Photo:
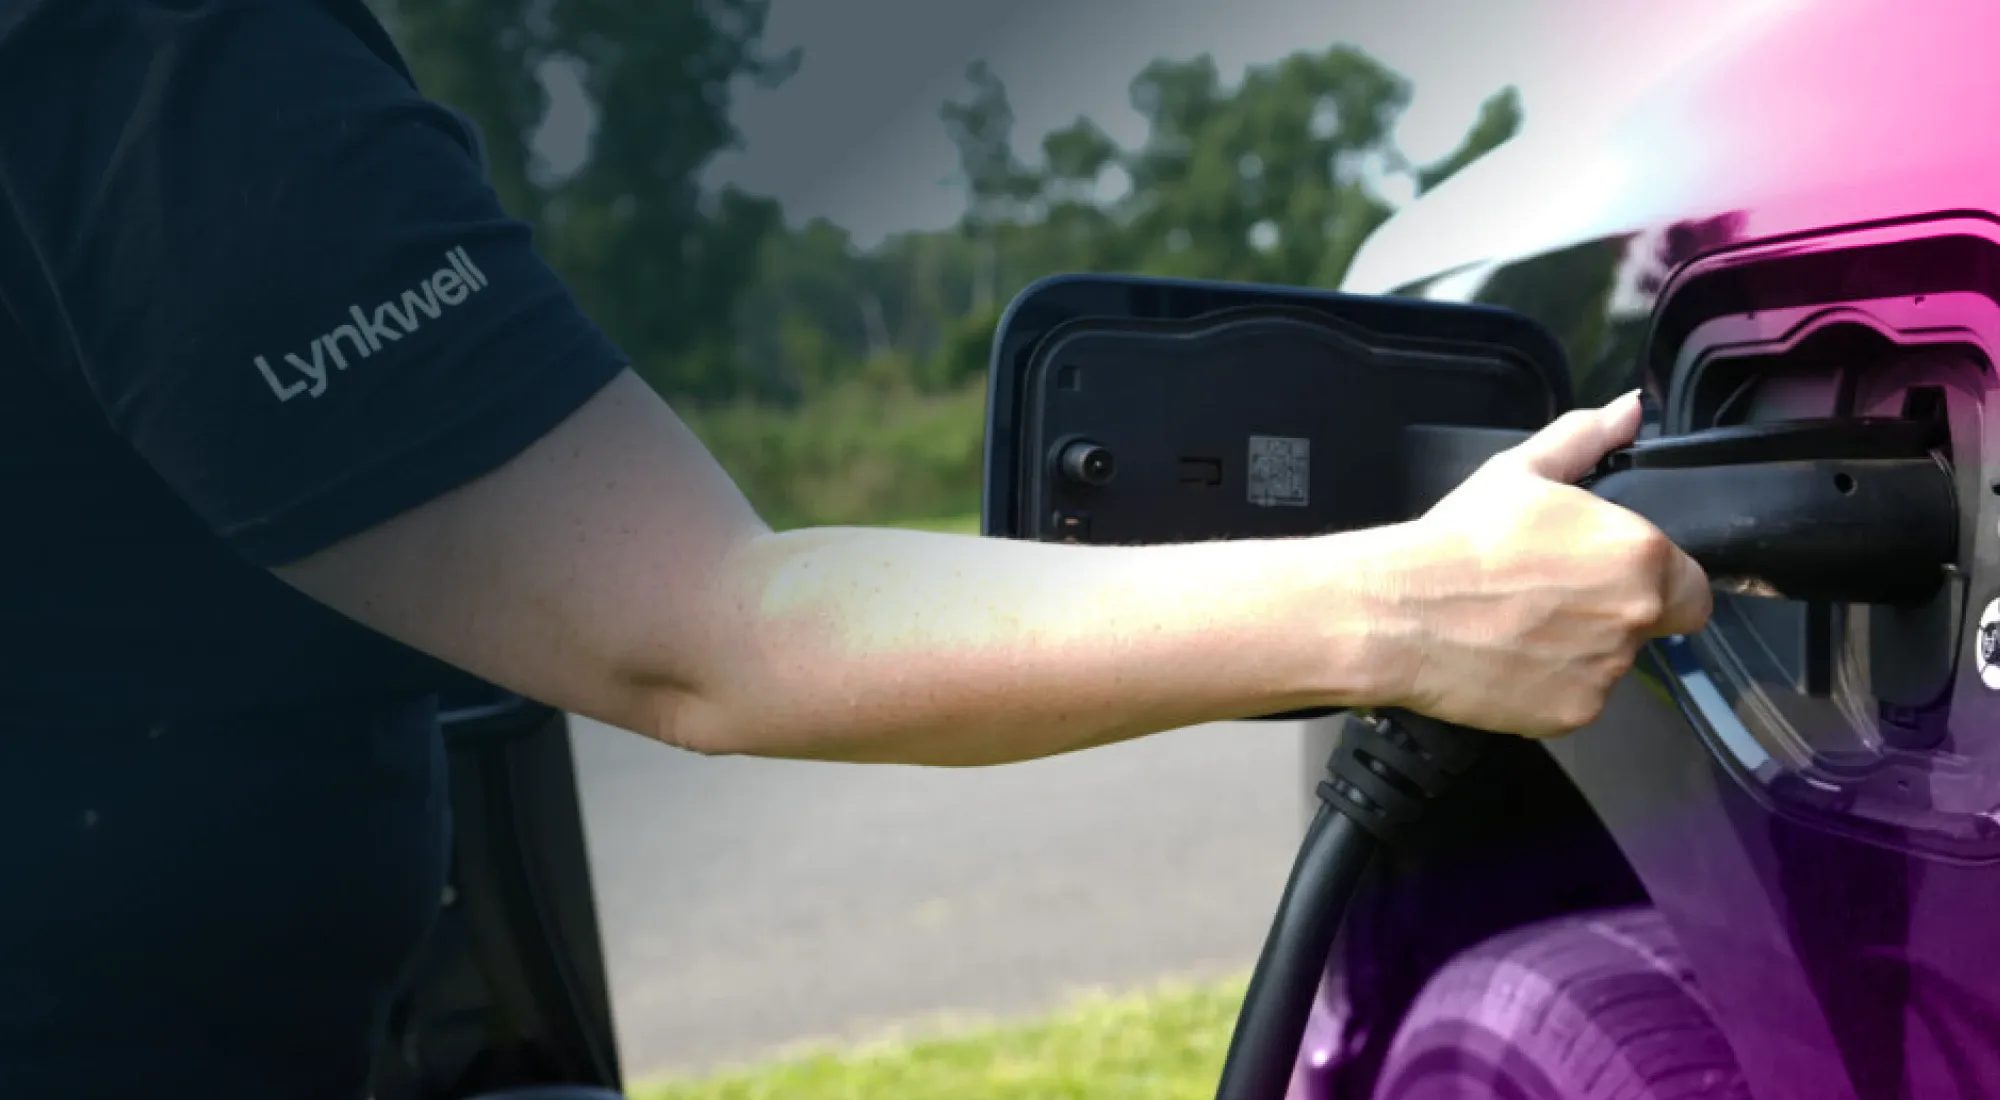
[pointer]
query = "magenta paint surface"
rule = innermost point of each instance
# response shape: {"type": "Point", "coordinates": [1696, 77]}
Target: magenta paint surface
{"type": "Point", "coordinates": [1838, 969]}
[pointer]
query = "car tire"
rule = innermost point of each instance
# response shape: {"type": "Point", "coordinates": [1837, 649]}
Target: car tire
{"type": "Point", "coordinates": [1598, 1006]}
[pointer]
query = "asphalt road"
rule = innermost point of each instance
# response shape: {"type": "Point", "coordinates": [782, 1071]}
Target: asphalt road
{"type": "Point", "coordinates": [751, 905]}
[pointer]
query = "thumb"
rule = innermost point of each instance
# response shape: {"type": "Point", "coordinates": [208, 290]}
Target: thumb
{"type": "Point", "coordinates": [1567, 449]}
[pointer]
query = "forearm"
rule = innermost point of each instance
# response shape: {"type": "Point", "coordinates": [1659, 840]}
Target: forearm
{"type": "Point", "coordinates": [880, 645]}
{"type": "Point", "coordinates": [613, 570]}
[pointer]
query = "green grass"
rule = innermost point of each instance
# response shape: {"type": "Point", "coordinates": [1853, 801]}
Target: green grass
{"type": "Point", "coordinates": [1166, 1044]}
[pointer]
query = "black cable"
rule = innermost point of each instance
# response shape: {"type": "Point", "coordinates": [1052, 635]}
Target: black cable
{"type": "Point", "coordinates": [1385, 770]}
{"type": "Point", "coordinates": [1279, 1001]}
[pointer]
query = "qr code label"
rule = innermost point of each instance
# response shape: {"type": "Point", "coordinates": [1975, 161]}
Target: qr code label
{"type": "Point", "coordinates": [1279, 468]}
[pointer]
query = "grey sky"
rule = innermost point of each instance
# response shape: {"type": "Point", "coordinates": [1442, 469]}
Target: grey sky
{"type": "Point", "coordinates": [855, 136]}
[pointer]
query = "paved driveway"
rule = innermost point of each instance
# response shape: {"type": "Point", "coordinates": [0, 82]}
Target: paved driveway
{"type": "Point", "coordinates": [752, 904]}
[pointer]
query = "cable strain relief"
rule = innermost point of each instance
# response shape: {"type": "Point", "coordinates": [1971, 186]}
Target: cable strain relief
{"type": "Point", "coordinates": [1390, 765]}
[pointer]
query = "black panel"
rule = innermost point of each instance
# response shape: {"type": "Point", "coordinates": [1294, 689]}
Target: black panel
{"type": "Point", "coordinates": [1134, 410]}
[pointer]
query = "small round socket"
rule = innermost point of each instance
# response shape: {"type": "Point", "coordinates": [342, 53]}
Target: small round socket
{"type": "Point", "coordinates": [1086, 463]}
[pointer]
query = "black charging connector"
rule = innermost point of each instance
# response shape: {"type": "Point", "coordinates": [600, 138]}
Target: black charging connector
{"type": "Point", "coordinates": [1839, 510]}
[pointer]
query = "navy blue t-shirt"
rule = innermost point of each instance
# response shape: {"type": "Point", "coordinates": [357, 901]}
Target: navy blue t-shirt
{"type": "Point", "coordinates": [256, 295]}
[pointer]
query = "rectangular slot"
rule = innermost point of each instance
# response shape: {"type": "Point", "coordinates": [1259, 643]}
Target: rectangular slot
{"type": "Point", "coordinates": [1201, 473]}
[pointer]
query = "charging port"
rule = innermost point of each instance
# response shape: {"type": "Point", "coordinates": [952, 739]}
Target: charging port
{"type": "Point", "coordinates": [1846, 677]}
{"type": "Point", "coordinates": [1875, 722]}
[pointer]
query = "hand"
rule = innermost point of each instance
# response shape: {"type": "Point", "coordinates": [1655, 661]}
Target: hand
{"type": "Point", "coordinates": [1524, 599]}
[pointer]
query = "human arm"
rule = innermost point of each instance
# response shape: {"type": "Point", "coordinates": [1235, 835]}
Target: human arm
{"type": "Point", "coordinates": [646, 593]}
{"type": "Point", "coordinates": [460, 460]}
{"type": "Point", "coordinates": [613, 569]}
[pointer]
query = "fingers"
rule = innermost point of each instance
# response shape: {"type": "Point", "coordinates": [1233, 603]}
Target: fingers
{"type": "Point", "coordinates": [1568, 449]}
{"type": "Point", "coordinates": [1689, 598]}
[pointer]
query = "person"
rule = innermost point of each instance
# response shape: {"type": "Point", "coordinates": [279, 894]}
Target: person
{"type": "Point", "coordinates": [294, 418]}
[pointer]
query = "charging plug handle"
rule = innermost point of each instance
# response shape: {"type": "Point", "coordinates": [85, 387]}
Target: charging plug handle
{"type": "Point", "coordinates": [1835, 510]}
{"type": "Point", "coordinates": [1841, 511]}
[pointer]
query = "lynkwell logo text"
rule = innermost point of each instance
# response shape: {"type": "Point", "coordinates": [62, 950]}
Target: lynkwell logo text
{"type": "Point", "coordinates": [388, 323]}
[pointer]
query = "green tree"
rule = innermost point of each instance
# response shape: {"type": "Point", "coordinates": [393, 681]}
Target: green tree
{"type": "Point", "coordinates": [809, 279]}
{"type": "Point", "coordinates": [655, 259]}
{"type": "Point", "coordinates": [1079, 231]}
{"type": "Point", "coordinates": [998, 186]}
{"type": "Point", "coordinates": [1267, 181]}
{"type": "Point", "coordinates": [1498, 121]}
{"type": "Point", "coordinates": [1075, 159]}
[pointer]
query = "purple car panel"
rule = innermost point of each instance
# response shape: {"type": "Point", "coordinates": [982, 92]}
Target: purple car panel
{"type": "Point", "coordinates": [1803, 219]}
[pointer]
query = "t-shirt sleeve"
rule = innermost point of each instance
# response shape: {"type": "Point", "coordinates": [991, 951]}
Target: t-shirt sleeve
{"type": "Point", "coordinates": [287, 283]}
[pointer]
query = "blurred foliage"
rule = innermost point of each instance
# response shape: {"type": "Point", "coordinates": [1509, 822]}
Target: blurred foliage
{"type": "Point", "coordinates": [867, 449]}
{"type": "Point", "coordinates": [841, 384]}
{"type": "Point", "coordinates": [655, 260]}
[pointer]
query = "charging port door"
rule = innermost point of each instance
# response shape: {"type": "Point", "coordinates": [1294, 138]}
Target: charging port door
{"type": "Point", "coordinates": [1127, 410]}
